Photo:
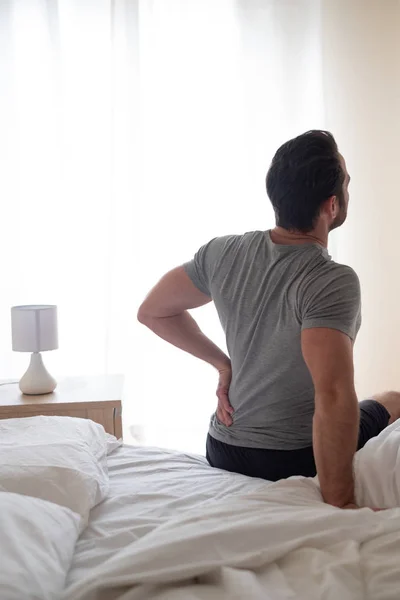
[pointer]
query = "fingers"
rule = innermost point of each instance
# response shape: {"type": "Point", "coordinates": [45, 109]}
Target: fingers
{"type": "Point", "coordinates": [223, 400]}
{"type": "Point", "coordinates": [225, 409]}
{"type": "Point", "coordinates": [224, 417]}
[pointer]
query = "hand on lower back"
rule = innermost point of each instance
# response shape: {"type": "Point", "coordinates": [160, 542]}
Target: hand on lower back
{"type": "Point", "coordinates": [224, 409]}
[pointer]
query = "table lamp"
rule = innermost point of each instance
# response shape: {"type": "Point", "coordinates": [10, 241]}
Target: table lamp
{"type": "Point", "coordinates": [34, 329]}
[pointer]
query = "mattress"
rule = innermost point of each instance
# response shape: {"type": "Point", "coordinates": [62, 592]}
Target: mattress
{"type": "Point", "coordinates": [149, 486]}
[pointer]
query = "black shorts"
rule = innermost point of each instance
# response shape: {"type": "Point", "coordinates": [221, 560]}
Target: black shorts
{"type": "Point", "coordinates": [279, 464]}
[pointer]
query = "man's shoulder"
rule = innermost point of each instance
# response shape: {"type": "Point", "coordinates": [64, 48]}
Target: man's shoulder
{"type": "Point", "coordinates": [339, 271]}
{"type": "Point", "coordinates": [330, 276]}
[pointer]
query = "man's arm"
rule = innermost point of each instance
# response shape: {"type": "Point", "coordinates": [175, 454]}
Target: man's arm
{"type": "Point", "coordinates": [328, 354]}
{"type": "Point", "coordinates": [165, 311]}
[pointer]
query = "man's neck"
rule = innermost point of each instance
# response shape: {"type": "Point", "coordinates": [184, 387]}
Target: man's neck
{"type": "Point", "coordinates": [279, 235]}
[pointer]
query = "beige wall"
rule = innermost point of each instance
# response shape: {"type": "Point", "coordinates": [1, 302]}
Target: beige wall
{"type": "Point", "coordinates": [362, 93]}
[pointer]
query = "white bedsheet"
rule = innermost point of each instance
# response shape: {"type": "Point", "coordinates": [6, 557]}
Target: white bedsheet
{"type": "Point", "coordinates": [173, 528]}
{"type": "Point", "coordinates": [148, 487]}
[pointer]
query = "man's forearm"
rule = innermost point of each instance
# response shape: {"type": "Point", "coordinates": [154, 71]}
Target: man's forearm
{"type": "Point", "coordinates": [183, 332]}
{"type": "Point", "coordinates": [335, 435]}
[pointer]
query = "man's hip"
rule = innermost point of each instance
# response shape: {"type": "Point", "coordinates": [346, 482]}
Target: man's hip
{"type": "Point", "coordinates": [280, 464]}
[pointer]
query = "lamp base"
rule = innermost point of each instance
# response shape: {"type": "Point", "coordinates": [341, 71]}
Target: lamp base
{"type": "Point", "coordinates": [37, 380]}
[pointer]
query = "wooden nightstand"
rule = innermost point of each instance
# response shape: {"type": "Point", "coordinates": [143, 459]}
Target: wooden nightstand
{"type": "Point", "coordinates": [95, 398]}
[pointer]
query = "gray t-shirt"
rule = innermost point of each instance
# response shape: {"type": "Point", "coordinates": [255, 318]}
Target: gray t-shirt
{"type": "Point", "coordinates": [265, 294]}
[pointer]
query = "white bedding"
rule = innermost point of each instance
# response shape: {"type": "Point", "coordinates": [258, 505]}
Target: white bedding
{"type": "Point", "coordinates": [173, 528]}
{"type": "Point", "coordinates": [53, 470]}
{"type": "Point", "coordinates": [148, 487]}
{"type": "Point", "coordinates": [59, 459]}
{"type": "Point", "coordinates": [37, 541]}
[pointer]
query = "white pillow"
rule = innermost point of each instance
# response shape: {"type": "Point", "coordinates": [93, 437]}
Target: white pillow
{"type": "Point", "coordinates": [42, 429]}
{"type": "Point", "coordinates": [59, 459]}
{"type": "Point", "coordinates": [377, 468]}
{"type": "Point", "coordinates": [37, 543]}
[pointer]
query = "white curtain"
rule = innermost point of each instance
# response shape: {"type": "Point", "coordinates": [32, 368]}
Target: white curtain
{"type": "Point", "coordinates": [132, 132]}
{"type": "Point", "coordinates": [361, 51]}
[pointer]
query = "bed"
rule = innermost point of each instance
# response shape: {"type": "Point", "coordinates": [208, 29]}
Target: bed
{"type": "Point", "coordinates": [93, 520]}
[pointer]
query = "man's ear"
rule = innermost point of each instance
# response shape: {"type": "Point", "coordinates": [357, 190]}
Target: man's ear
{"type": "Point", "coordinates": [331, 207]}
{"type": "Point", "coordinates": [335, 206]}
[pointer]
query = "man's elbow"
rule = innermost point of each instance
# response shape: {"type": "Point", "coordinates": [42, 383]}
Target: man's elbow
{"type": "Point", "coordinates": [150, 313]}
{"type": "Point", "coordinates": [336, 398]}
{"type": "Point", "coordinates": [143, 315]}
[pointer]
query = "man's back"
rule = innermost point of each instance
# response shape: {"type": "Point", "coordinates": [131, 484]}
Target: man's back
{"type": "Point", "coordinates": [265, 294]}
{"type": "Point", "coordinates": [290, 315]}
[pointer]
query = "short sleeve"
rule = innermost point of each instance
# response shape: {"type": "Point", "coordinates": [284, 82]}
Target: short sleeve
{"type": "Point", "coordinates": [333, 300]}
{"type": "Point", "coordinates": [202, 267]}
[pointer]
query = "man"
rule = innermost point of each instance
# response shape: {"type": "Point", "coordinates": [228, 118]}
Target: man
{"type": "Point", "coordinates": [286, 398]}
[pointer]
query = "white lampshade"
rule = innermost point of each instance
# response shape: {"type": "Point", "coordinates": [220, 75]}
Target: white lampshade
{"type": "Point", "coordinates": [34, 328]}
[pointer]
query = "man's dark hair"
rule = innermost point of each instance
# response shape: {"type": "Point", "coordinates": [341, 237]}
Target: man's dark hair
{"type": "Point", "coordinates": [304, 173]}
